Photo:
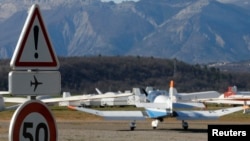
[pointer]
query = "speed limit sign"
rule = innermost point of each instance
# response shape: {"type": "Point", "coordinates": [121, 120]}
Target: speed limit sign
{"type": "Point", "coordinates": [33, 121]}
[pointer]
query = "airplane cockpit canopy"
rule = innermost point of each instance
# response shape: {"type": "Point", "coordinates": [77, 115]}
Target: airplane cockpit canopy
{"type": "Point", "coordinates": [153, 94]}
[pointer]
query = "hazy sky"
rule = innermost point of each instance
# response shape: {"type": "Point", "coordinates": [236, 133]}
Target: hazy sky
{"type": "Point", "coordinates": [117, 1]}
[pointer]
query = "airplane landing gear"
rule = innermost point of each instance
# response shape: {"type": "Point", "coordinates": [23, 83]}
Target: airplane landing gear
{"type": "Point", "coordinates": [132, 125]}
{"type": "Point", "coordinates": [184, 125]}
{"type": "Point", "coordinates": [155, 123]}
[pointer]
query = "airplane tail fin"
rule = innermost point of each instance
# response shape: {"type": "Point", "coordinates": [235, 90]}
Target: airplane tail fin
{"type": "Point", "coordinates": [175, 91]}
{"type": "Point", "coordinates": [64, 103]}
{"type": "Point", "coordinates": [231, 91]}
{"type": "Point", "coordinates": [149, 88]}
{"type": "Point", "coordinates": [174, 100]}
{"type": "Point", "coordinates": [171, 93]}
{"type": "Point", "coordinates": [144, 92]}
{"type": "Point", "coordinates": [98, 91]}
{"type": "Point", "coordinates": [136, 91]}
{"type": "Point", "coordinates": [66, 94]}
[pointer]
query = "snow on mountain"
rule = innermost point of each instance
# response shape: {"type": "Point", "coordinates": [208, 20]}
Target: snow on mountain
{"type": "Point", "coordinates": [195, 31]}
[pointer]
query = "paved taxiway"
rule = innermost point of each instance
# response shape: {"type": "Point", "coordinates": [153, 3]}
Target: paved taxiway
{"type": "Point", "coordinates": [101, 130]}
{"type": "Point", "coordinates": [119, 131]}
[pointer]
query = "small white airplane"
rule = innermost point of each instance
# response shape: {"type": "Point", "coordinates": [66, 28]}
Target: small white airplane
{"type": "Point", "coordinates": [232, 90]}
{"type": "Point", "coordinates": [231, 97]}
{"type": "Point", "coordinates": [230, 93]}
{"type": "Point", "coordinates": [162, 107]}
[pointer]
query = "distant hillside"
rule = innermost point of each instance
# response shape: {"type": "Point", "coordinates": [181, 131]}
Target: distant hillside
{"type": "Point", "coordinates": [84, 74]}
{"type": "Point", "coordinates": [194, 31]}
{"type": "Point", "coordinates": [239, 67]}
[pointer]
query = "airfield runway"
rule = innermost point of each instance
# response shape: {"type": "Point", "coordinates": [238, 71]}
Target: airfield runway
{"type": "Point", "coordinates": [101, 130]}
{"type": "Point", "coordinates": [119, 131]}
{"type": "Point", "coordinates": [79, 126]}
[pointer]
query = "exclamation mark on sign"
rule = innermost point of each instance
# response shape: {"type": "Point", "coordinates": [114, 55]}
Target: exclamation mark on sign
{"type": "Point", "coordinates": [36, 32]}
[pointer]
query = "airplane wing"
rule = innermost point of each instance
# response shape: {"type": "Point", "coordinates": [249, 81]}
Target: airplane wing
{"type": "Point", "coordinates": [112, 115]}
{"type": "Point", "coordinates": [151, 112]}
{"type": "Point", "coordinates": [205, 115]}
{"type": "Point", "coordinates": [175, 105]}
{"type": "Point", "coordinates": [4, 93]}
{"type": "Point", "coordinates": [196, 95]}
{"type": "Point", "coordinates": [4, 108]}
{"type": "Point", "coordinates": [178, 105]}
{"type": "Point", "coordinates": [125, 115]}
{"type": "Point", "coordinates": [234, 100]}
{"type": "Point", "coordinates": [13, 107]}
{"type": "Point", "coordinates": [64, 99]}
{"type": "Point", "coordinates": [19, 100]}
{"type": "Point", "coordinates": [82, 97]}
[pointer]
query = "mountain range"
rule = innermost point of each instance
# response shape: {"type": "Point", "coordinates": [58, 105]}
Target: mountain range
{"type": "Point", "coordinates": [194, 31]}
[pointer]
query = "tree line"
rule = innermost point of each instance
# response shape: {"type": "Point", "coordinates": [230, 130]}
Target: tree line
{"type": "Point", "coordinates": [115, 73]}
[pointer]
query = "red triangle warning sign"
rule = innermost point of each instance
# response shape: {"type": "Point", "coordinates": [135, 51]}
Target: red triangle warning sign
{"type": "Point", "coordinates": [34, 49]}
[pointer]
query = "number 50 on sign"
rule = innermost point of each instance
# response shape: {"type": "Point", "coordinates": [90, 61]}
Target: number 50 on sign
{"type": "Point", "coordinates": [33, 121]}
